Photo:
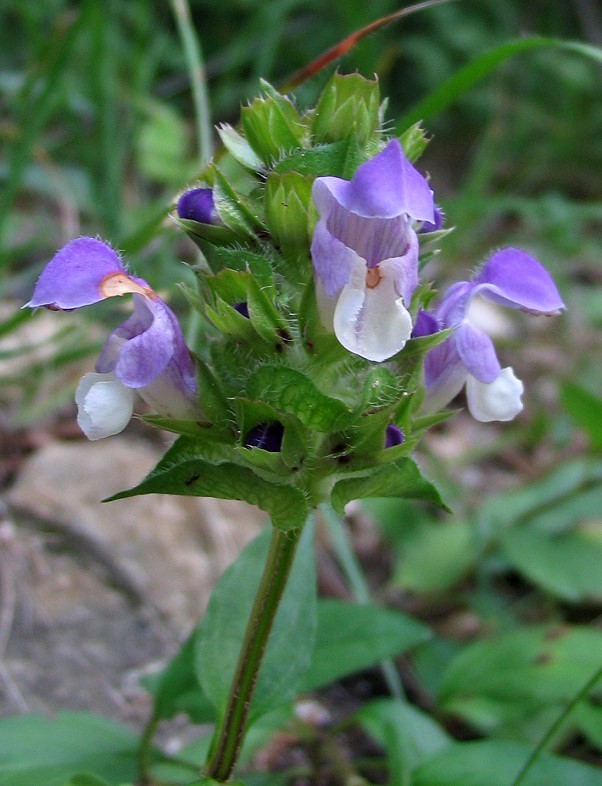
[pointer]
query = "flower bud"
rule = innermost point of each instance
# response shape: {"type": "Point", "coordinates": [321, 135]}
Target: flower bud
{"type": "Point", "coordinates": [197, 205]}
{"type": "Point", "coordinates": [267, 436]}
{"type": "Point", "coordinates": [348, 104]}
{"type": "Point", "coordinates": [287, 199]}
{"type": "Point", "coordinates": [393, 436]}
{"type": "Point", "coordinates": [272, 126]}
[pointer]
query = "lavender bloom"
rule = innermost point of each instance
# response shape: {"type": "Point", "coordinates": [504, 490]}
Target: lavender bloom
{"type": "Point", "coordinates": [198, 205]}
{"type": "Point", "coordinates": [509, 278]}
{"type": "Point", "coordinates": [365, 251]}
{"type": "Point", "coordinates": [146, 353]}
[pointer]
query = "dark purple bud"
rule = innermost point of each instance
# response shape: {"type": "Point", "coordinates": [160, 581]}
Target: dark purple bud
{"type": "Point", "coordinates": [425, 325]}
{"type": "Point", "coordinates": [242, 308]}
{"type": "Point", "coordinates": [267, 436]}
{"type": "Point", "coordinates": [197, 205]}
{"type": "Point", "coordinates": [433, 226]}
{"type": "Point", "coordinates": [393, 436]}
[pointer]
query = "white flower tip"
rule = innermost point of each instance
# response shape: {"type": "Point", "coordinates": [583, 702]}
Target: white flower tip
{"type": "Point", "coordinates": [104, 405]}
{"type": "Point", "coordinates": [371, 322]}
{"type": "Point", "coordinates": [498, 400]}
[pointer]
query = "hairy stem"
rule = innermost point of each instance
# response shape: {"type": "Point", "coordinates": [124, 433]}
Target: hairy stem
{"type": "Point", "coordinates": [230, 731]}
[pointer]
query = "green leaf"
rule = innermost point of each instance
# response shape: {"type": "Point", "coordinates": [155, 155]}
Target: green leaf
{"type": "Point", "coordinates": [85, 780]}
{"type": "Point", "coordinates": [467, 76]}
{"type": "Point", "coordinates": [289, 647]}
{"type": "Point", "coordinates": [414, 141]}
{"type": "Point", "coordinates": [585, 410]}
{"type": "Point", "coordinates": [294, 393]}
{"type": "Point", "coordinates": [588, 718]}
{"type": "Point", "coordinates": [211, 782]}
{"type": "Point", "coordinates": [231, 206]}
{"type": "Point", "coordinates": [229, 322]}
{"type": "Point", "coordinates": [434, 556]}
{"type": "Point", "coordinates": [497, 763]}
{"type": "Point", "coordinates": [409, 736]}
{"type": "Point", "coordinates": [339, 159]}
{"type": "Point", "coordinates": [194, 468]}
{"type": "Point", "coordinates": [258, 266]}
{"type": "Point", "coordinates": [505, 678]}
{"type": "Point", "coordinates": [351, 637]}
{"type": "Point", "coordinates": [214, 402]}
{"type": "Point", "coordinates": [542, 499]}
{"type": "Point", "coordinates": [401, 478]}
{"type": "Point", "coordinates": [162, 144]}
{"type": "Point", "coordinates": [37, 751]}
{"type": "Point", "coordinates": [567, 565]}
{"type": "Point", "coordinates": [239, 148]}
{"type": "Point", "coordinates": [263, 315]}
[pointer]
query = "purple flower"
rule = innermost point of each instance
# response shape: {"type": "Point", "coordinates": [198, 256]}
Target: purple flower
{"type": "Point", "coordinates": [198, 205]}
{"type": "Point", "coordinates": [146, 353]}
{"type": "Point", "coordinates": [509, 278]}
{"type": "Point", "coordinates": [365, 251]}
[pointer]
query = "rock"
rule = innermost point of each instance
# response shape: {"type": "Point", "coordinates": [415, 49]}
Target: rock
{"type": "Point", "coordinates": [99, 590]}
{"type": "Point", "coordinates": [170, 549]}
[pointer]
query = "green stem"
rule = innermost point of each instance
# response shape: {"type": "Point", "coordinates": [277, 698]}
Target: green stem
{"type": "Point", "coordinates": [555, 727]}
{"type": "Point", "coordinates": [230, 732]}
{"type": "Point", "coordinates": [144, 750]}
{"type": "Point", "coordinates": [359, 588]}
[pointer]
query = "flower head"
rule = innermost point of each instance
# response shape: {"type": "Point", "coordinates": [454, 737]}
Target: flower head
{"type": "Point", "coordinates": [146, 353]}
{"type": "Point", "coordinates": [365, 251]}
{"type": "Point", "coordinates": [509, 278]}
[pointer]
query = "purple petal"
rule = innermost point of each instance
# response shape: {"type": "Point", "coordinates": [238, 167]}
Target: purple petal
{"type": "Point", "coordinates": [75, 276]}
{"type": "Point", "coordinates": [425, 325]}
{"type": "Point", "coordinates": [147, 345]}
{"type": "Point", "coordinates": [433, 226]}
{"type": "Point", "coordinates": [332, 260]}
{"type": "Point", "coordinates": [393, 436]}
{"type": "Point", "coordinates": [139, 349]}
{"type": "Point", "coordinates": [198, 205]}
{"type": "Point", "coordinates": [444, 375]}
{"type": "Point", "coordinates": [513, 278]}
{"type": "Point", "coordinates": [477, 352]}
{"type": "Point", "coordinates": [452, 309]}
{"type": "Point", "coordinates": [404, 268]}
{"type": "Point", "coordinates": [386, 186]}
{"type": "Point", "coordinates": [439, 360]}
